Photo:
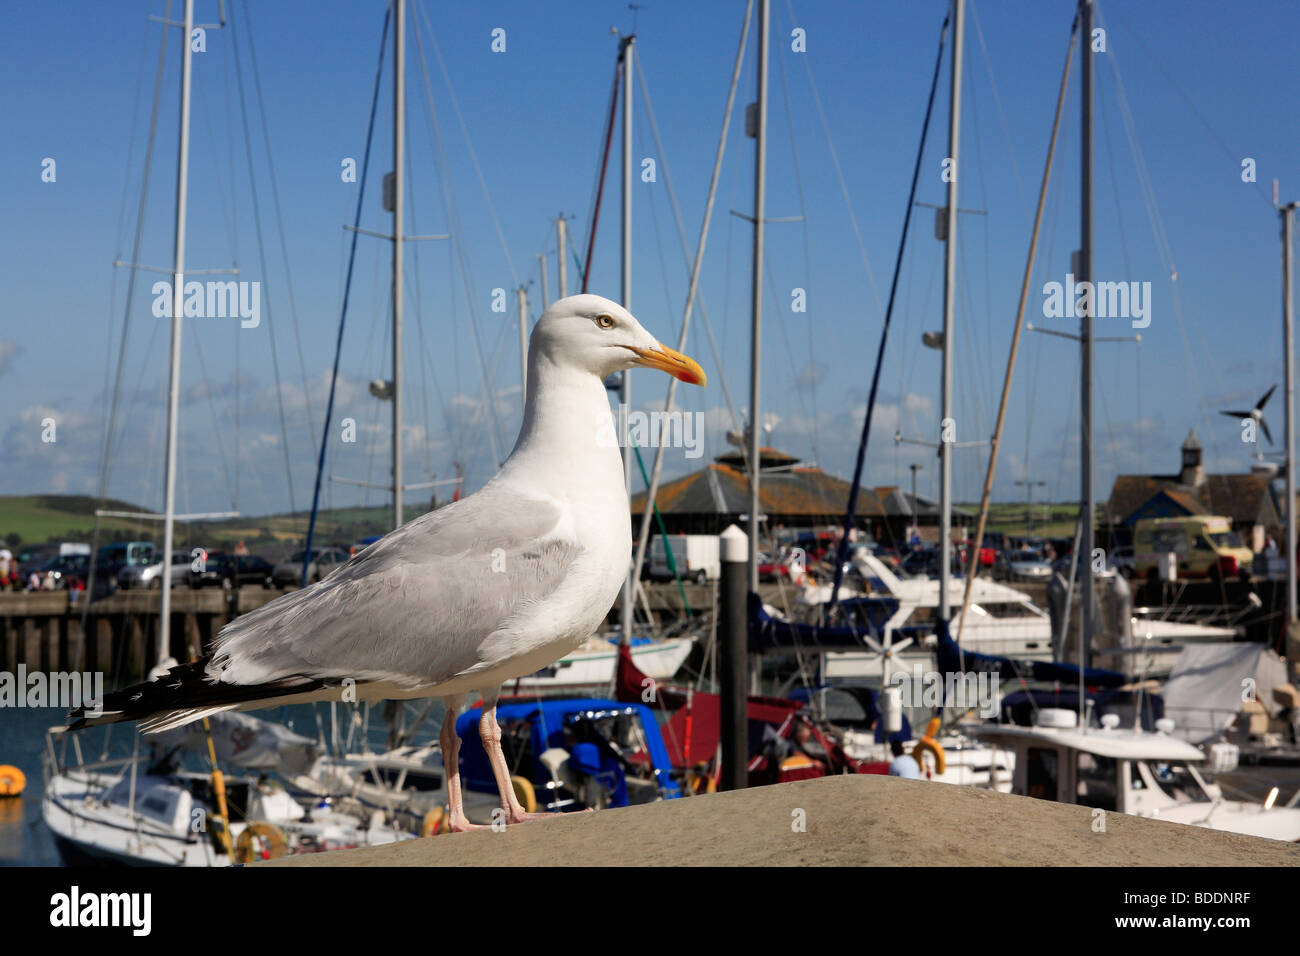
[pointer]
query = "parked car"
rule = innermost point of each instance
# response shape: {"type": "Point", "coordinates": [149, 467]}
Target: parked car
{"type": "Point", "coordinates": [988, 554]}
{"type": "Point", "coordinates": [151, 575]}
{"type": "Point", "coordinates": [323, 562]}
{"type": "Point", "coordinates": [997, 540]}
{"type": "Point", "coordinates": [817, 545]}
{"type": "Point", "coordinates": [226, 570]}
{"type": "Point", "coordinates": [924, 562]}
{"type": "Point", "coordinates": [1022, 565]}
{"type": "Point", "coordinates": [34, 557]}
{"type": "Point", "coordinates": [110, 559]}
{"type": "Point", "coordinates": [63, 571]}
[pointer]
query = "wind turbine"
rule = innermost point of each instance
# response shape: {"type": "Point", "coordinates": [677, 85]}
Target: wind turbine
{"type": "Point", "coordinates": [1256, 415]}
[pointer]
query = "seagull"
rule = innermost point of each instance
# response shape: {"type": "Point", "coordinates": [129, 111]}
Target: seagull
{"type": "Point", "coordinates": [485, 590]}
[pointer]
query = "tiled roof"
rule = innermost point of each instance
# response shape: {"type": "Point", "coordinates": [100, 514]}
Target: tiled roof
{"type": "Point", "coordinates": [1245, 498]}
{"type": "Point", "coordinates": [720, 489]}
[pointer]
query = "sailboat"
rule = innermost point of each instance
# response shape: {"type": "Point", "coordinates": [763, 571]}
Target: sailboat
{"type": "Point", "coordinates": [147, 809]}
{"type": "Point", "coordinates": [1082, 754]}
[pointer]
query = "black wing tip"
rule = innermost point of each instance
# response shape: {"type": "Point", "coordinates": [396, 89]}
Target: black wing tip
{"type": "Point", "coordinates": [184, 687]}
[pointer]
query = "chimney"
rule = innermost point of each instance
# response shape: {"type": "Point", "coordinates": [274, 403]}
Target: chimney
{"type": "Point", "coordinates": [1193, 474]}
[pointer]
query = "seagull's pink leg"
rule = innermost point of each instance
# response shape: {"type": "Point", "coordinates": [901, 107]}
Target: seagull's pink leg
{"type": "Point", "coordinates": [490, 731]}
{"type": "Point", "coordinates": [450, 743]}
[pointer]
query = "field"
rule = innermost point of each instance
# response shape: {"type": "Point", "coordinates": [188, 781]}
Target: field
{"type": "Point", "coordinates": [1050, 520]}
{"type": "Point", "coordinates": [35, 519]}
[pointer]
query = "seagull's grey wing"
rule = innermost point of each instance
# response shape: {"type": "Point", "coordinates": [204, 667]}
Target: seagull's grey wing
{"type": "Point", "coordinates": [415, 606]}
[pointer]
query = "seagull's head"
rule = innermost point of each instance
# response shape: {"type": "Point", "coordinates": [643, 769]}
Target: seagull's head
{"type": "Point", "coordinates": [593, 334]}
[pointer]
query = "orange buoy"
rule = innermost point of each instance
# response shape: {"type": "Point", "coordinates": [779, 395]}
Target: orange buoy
{"type": "Point", "coordinates": [12, 781]}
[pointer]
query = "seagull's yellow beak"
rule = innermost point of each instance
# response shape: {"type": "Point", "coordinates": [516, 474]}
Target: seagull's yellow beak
{"type": "Point", "coordinates": [676, 364]}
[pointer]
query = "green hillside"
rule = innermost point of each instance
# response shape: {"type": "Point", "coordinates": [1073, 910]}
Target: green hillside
{"type": "Point", "coordinates": [35, 519]}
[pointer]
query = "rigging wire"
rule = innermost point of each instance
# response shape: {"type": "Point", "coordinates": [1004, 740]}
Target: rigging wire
{"type": "Point", "coordinates": [1164, 247]}
{"type": "Point", "coordinates": [603, 167]}
{"type": "Point", "coordinates": [843, 547]}
{"type": "Point", "coordinates": [839, 175]}
{"type": "Point", "coordinates": [997, 100]}
{"type": "Point", "coordinates": [261, 255]}
{"type": "Point", "coordinates": [469, 143]}
{"type": "Point", "coordinates": [1234, 155]}
{"type": "Point", "coordinates": [412, 209]}
{"type": "Point", "coordinates": [236, 405]}
{"type": "Point", "coordinates": [343, 311]}
{"type": "Point", "coordinates": [453, 220]}
{"type": "Point", "coordinates": [279, 222]}
{"type": "Point", "coordinates": [681, 237]}
{"type": "Point", "coordinates": [808, 276]}
{"type": "Point", "coordinates": [110, 421]}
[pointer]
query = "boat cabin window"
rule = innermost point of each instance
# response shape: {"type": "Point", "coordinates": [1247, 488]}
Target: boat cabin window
{"type": "Point", "coordinates": [1041, 773]}
{"type": "Point", "coordinates": [1003, 609]}
{"type": "Point", "coordinates": [1176, 781]}
{"type": "Point", "coordinates": [156, 807]}
{"type": "Point", "coordinates": [1095, 781]}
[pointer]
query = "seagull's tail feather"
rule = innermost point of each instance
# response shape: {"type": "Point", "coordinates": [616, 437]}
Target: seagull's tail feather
{"type": "Point", "coordinates": [187, 693]}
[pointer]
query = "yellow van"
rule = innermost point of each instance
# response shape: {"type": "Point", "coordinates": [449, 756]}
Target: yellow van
{"type": "Point", "coordinates": [1205, 546]}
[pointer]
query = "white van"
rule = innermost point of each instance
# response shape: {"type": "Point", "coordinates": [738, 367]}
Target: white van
{"type": "Point", "coordinates": [696, 556]}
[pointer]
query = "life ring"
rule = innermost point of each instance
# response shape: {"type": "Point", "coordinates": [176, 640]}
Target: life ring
{"type": "Point", "coordinates": [433, 821]}
{"type": "Point", "coordinates": [260, 841]}
{"type": "Point", "coordinates": [525, 793]}
{"type": "Point", "coordinates": [12, 781]}
{"type": "Point", "coordinates": [928, 745]}
{"type": "Point", "coordinates": [797, 761]}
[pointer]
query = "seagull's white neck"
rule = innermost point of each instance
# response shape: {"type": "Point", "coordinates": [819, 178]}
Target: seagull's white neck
{"type": "Point", "coordinates": [567, 444]}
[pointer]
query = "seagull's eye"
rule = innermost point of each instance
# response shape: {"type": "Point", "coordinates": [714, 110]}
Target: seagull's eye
{"type": "Point", "coordinates": [605, 320]}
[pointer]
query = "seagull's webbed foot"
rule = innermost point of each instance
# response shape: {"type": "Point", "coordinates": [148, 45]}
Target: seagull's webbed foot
{"type": "Point", "coordinates": [523, 816]}
{"type": "Point", "coordinates": [462, 825]}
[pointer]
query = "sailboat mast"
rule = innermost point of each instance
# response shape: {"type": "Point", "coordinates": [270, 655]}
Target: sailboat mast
{"type": "Point", "coordinates": [522, 297]}
{"type": "Point", "coordinates": [625, 391]}
{"type": "Point", "coordinates": [1287, 214]}
{"type": "Point", "coordinates": [562, 241]}
{"type": "Point", "coordinates": [399, 146]}
{"type": "Point", "coordinates": [756, 336]}
{"type": "Point", "coordinates": [949, 291]}
{"type": "Point", "coordinates": [1087, 620]}
{"type": "Point", "coordinates": [178, 313]}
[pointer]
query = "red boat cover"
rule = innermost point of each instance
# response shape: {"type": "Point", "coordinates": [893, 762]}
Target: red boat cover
{"type": "Point", "coordinates": [692, 733]}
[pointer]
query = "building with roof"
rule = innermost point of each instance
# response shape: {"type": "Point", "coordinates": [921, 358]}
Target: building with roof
{"type": "Point", "coordinates": [791, 496]}
{"type": "Point", "coordinates": [903, 511]}
{"type": "Point", "coordinates": [1248, 499]}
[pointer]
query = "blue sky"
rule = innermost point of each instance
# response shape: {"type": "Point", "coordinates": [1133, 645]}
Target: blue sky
{"type": "Point", "coordinates": [1208, 86]}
